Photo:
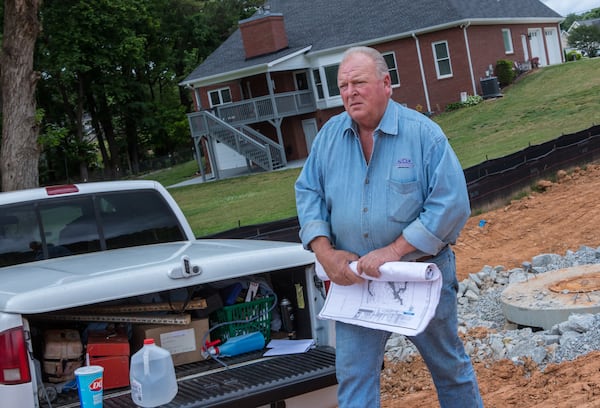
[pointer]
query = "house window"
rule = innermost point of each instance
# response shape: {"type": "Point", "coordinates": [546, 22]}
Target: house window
{"type": "Point", "coordinates": [219, 97]}
{"type": "Point", "coordinates": [301, 81]}
{"type": "Point", "coordinates": [442, 59]}
{"type": "Point", "coordinates": [508, 45]}
{"type": "Point", "coordinates": [331, 72]}
{"type": "Point", "coordinates": [318, 83]}
{"type": "Point", "coordinates": [390, 60]}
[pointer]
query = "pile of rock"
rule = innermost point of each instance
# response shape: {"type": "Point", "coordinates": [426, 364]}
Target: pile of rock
{"type": "Point", "coordinates": [488, 335]}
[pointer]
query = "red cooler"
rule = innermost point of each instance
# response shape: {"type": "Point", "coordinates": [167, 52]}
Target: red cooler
{"type": "Point", "coordinates": [110, 351]}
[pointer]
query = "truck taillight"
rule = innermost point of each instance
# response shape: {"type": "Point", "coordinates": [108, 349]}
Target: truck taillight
{"type": "Point", "coordinates": [14, 364]}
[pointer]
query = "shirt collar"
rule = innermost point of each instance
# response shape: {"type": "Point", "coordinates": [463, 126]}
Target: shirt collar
{"type": "Point", "coordinates": [389, 121]}
{"type": "Point", "coordinates": [387, 125]}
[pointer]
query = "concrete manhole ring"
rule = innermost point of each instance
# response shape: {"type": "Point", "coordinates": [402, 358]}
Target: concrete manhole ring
{"type": "Point", "coordinates": [551, 297]}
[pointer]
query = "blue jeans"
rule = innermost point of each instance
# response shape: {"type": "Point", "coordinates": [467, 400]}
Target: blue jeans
{"type": "Point", "coordinates": [360, 352]}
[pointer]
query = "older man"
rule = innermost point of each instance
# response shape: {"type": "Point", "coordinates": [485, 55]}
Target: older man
{"type": "Point", "coordinates": [383, 184]}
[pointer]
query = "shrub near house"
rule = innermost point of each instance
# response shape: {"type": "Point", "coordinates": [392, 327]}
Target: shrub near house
{"type": "Point", "coordinates": [505, 72]}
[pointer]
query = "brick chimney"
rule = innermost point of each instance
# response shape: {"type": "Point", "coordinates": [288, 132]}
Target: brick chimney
{"type": "Point", "coordinates": [263, 34]}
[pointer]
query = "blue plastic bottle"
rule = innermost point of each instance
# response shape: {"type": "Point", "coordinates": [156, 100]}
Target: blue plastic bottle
{"type": "Point", "coordinates": [239, 345]}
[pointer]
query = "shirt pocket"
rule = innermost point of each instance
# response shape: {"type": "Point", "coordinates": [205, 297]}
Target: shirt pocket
{"type": "Point", "coordinates": [404, 202]}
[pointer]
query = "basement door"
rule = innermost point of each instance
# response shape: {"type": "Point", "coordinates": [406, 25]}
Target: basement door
{"type": "Point", "coordinates": [309, 126]}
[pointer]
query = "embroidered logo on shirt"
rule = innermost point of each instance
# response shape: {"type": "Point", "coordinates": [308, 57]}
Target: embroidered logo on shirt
{"type": "Point", "coordinates": [404, 163]}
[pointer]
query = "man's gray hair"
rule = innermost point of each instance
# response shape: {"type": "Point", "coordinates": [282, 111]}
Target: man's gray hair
{"type": "Point", "coordinates": [380, 64]}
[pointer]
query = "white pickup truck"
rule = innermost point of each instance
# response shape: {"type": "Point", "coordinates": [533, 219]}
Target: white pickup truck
{"type": "Point", "coordinates": [80, 258]}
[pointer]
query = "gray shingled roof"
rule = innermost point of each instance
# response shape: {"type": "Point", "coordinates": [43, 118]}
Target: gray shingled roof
{"type": "Point", "coordinates": [591, 22]}
{"type": "Point", "coordinates": [329, 24]}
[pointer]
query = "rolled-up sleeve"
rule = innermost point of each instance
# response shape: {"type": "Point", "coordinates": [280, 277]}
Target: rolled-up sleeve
{"type": "Point", "coordinates": [446, 207]}
{"type": "Point", "coordinates": [310, 201]}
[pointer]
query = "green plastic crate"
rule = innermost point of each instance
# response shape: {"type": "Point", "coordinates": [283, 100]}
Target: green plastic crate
{"type": "Point", "coordinates": [243, 311]}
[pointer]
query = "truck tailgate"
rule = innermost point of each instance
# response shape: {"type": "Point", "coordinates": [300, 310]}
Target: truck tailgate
{"type": "Point", "coordinates": [249, 380]}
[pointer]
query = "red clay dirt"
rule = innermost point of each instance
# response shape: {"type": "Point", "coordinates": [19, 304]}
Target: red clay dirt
{"type": "Point", "coordinates": [565, 216]}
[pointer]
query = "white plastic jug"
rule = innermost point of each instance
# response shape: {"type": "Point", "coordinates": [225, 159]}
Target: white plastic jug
{"type": "Point", "coordinates": [152, 376]}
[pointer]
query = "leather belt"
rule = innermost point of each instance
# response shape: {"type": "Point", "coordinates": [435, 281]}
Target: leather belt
{"type": "Point", "coordinates": [428, 257]}
{"type": "Point", "coordinates": [425, 258]}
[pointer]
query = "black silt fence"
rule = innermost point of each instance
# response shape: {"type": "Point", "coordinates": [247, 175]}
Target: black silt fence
{"type": "Point", "coordinates": [500, 178]}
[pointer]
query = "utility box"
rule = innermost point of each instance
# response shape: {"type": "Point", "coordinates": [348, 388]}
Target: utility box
{"type": "Point", "coordinates": [111, 352]}
{"type": "Point", "coordinates": [490, 87]}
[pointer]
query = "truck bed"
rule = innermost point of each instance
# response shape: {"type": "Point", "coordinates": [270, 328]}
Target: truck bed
{"type": "Point", "coordinates": [249, 380]}
{"type": "Point", "coordinates": [118, 259]}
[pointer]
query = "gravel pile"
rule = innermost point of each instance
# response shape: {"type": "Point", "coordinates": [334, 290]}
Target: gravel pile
{"type": "Point", "coordinates": [489, 336]}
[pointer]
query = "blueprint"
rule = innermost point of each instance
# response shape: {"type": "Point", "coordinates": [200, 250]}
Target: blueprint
{"type": "Point", "coordinates": [402, 300]}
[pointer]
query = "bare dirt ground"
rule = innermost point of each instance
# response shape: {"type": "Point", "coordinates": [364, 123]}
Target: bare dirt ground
{"type": "Point", "coordinates": [563, 217]}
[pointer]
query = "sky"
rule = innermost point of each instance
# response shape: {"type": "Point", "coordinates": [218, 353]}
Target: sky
{"type": "Point", "coordinates": [564, 7]}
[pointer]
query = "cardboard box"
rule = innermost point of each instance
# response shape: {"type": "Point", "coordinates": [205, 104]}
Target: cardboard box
{"type": "Point", "coordinates": [63, 354]}
{"type": "Point", "coordinates": [183, 341]}
{"type": "Point", "coordinates": [110, 351]}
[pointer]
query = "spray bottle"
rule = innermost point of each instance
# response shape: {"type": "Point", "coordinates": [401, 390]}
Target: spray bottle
{"type": "Point", "coordinates": [235, 345]}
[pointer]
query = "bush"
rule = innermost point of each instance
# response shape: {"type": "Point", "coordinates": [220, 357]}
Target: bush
{"type": "Point", "coordinates": [472, 100]}
{"type": "Point", "coordinates": [573, 55]}
{"type": "Point", "coordinates": [454, 106]}
{"type": "Point", "coordinates": [505, 72]}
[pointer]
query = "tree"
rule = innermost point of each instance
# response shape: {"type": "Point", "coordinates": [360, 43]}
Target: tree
{"type": "Point", "coordinates": [112, 66]}
{"type": "Point", "coordinates": [572, 17]}
{"type": "Point", "coordinates": [568, 21]}
{"type": "Point", "coordinates": [586, 38]}
{"type": "Point", "coordinates": [19, 151]}
{"type": "Point", "coordinates": [593, 13]}
{"type": "Point", "coordinates": [89, 54]}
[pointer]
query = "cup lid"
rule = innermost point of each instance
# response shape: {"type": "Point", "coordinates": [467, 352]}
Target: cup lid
{"type": "Point", "coordinates": [92, 369]}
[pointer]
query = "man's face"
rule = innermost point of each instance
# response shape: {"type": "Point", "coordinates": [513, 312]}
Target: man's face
{"type": "Point", "coordinates": [365, 94]}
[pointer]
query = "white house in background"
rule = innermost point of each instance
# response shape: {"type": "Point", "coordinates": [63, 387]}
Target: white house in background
{"type": "Point", "coordinates": [564, 35]}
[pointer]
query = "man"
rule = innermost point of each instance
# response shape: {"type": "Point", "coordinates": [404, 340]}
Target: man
{"type": "Point", "coordinates": [383, 184]}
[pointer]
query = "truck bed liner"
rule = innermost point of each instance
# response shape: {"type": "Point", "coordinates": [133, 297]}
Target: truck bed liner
{"type": "Point", "coordinates": [248, 381]}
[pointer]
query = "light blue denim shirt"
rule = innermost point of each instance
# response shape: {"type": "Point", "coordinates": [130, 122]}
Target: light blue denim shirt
{"type": "Point", "coordinates": [413, 185]}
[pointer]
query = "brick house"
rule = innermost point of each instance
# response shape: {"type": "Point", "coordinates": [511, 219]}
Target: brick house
{"type": "Point", "coordinates": [261, 97]}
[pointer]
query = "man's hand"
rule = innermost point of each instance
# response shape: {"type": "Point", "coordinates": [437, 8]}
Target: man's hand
{"type": "Point", "coordinates": [335, 262]}
{"type": "Point", "coordinates": [369, 263]}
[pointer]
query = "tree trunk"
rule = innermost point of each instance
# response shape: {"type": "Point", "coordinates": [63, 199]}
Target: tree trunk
{"type": "Point", "coordinates": [105, 118]}
{"type": "Point", "coordinates": [20, 151]}
{"type": "Point", "coordinates": [83, 165]}
{"type": "Point", "coordinates": [91, 103]}
{"type": "Point", "coordinates": [132, 145]}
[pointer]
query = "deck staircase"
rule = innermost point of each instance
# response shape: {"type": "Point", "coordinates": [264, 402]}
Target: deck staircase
{"type": "Point", "coordinates": [228, 124]}
{"type": "Point", "coordinates": [254, 146]}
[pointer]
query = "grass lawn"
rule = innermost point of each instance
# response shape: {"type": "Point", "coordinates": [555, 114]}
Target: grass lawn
{"type": "Point", "coordinates": [540, 106]}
